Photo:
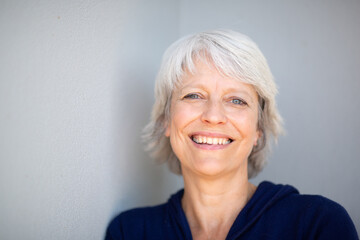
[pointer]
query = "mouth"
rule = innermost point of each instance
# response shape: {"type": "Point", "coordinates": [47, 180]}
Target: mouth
{"type": "Point", "coordinates": [209, 140]}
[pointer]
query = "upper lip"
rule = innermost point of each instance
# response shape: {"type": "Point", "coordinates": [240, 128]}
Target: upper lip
{"type": "Point", "coordinates": [211, 134]}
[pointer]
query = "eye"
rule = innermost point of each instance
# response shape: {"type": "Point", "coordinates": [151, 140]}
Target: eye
{"type": "Point", "coordinates": [192, 96]}
{"type": "Point", "coordinates": [238, 101]}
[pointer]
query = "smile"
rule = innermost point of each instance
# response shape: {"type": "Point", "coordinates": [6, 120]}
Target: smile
{"type": "Point", "coordinates": [210, 140]}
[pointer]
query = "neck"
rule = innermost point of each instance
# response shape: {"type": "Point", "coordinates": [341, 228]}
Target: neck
{"type": "Point", "coordinates": [212, 205]}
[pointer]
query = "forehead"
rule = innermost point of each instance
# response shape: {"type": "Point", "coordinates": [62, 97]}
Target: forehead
{"type": "Point", "coordinates": [206, 75]}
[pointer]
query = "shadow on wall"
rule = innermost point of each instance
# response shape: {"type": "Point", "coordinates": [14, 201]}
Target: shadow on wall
{"type": "Point", "coordinates": [139, 181]}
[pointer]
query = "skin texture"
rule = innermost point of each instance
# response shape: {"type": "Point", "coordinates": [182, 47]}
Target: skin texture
{"type": "Point", "coordinates": [216, 185]}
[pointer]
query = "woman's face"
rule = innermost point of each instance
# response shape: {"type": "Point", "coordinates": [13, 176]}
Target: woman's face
{"type": "Point", "coordinates": [213, 122]}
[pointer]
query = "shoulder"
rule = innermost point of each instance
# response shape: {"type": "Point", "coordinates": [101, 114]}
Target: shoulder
{"type": "Point", "coordinates": [316, 205]}
{"type": "Point", "coordinates": [144, 213]}
{"type": "Point", "coordinates": [157, 222]}
{"type": "Point", "coordinates": [326, 219]}
{"type": "Point", "coordinates": [327, 214]}
{"type": "Point", "coordinates": [131, 224]}
{"type": "Point", "coordinates": [286, 196]}
{"type": "Point", "coordinates": [317, 216]}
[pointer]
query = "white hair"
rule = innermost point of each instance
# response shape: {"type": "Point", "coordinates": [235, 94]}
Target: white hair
{"type": "Point", "coordinates": [234, 55]}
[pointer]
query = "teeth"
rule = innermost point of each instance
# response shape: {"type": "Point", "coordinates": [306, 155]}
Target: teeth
{"type": "Point", "coordinates": [210, 140]}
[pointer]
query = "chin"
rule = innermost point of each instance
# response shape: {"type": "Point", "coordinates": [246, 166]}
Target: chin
{"type": "Point", "coordinates": [208, 167]}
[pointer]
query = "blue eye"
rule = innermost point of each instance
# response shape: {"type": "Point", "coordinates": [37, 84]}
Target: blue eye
{"type": "Point", "coordinates": [192, 96]}
{"type": "Point", "coordinates": [238, 101]}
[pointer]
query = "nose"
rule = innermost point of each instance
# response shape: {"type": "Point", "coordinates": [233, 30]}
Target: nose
{"type": "Point", "coordinates": [213, 113]}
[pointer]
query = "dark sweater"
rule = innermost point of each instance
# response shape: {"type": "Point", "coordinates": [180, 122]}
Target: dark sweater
{"type": "Point", "coordinates": [274, 212]}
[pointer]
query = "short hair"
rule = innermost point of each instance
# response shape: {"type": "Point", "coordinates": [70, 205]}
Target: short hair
{"type": "Point", "coordinates": [232, 54]}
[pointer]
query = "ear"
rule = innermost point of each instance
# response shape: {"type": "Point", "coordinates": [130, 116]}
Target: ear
{"type": "Point", "coordinates": [167, 130]}
{"type": "Point", "coordinates": [258, 136]}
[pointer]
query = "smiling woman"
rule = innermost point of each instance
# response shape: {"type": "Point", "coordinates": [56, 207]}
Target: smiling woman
{"type": "Point", "coordinates": [213, 120]}
{"type": "Point", "coordinates": [210, 111]}
{"type": "Point", "coordinates": [230, 54]}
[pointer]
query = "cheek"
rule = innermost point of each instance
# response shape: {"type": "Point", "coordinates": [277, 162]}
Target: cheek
{"type": "Point", "coordinates": [182, 115]}
{"type": "Point", "coordinates": [246, 123]}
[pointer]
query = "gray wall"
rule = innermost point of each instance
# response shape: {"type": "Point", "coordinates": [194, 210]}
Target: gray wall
{"type": "Point", "coordinates": [76, 80]}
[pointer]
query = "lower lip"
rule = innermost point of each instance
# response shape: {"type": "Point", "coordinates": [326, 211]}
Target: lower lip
{"type": "Point", "coordinates": [210, 146]}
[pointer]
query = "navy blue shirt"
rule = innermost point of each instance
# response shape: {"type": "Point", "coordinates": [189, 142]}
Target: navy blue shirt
{"type": "Point", "coordinates": [274, 212]}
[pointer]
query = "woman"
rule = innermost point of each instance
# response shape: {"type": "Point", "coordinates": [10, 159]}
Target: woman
{"type": "Point", "coordinates": [212, 121]}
